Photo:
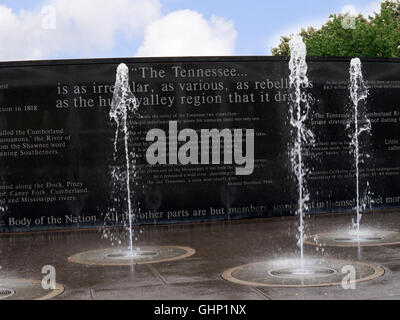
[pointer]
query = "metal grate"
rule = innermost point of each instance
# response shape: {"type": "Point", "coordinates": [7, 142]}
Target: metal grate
{"type": "Point", "coordinates": [6, 293]}
{"type": "Point", "coordinates": [138, 254]}
{"type": "Point", "coordinates": [367, 239]}
{"type": "Point", "coordinates": [305, 273]}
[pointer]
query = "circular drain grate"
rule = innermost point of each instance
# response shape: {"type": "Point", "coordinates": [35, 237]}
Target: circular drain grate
{"type": "Point", "coordinates": [287, 273]}
{"type": "Point", "coordinates": [299, 273]}
{"type": "Point", "coordinates": [6, 293]}
{"type": "Point", "coordinates": [25, 289]}
{"type": "Point", "coordinates": [124, 257]}
{"type": "Point", "coordinates": [366, 238]}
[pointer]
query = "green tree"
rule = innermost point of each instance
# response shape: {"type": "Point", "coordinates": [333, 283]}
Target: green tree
{"type": "Point", "coordinates": [343, 35]}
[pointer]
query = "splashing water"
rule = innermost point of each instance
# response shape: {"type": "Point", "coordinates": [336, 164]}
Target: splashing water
{"type": "Point", "coordinates": [358, 93]}
{"type": "Point", "coordinates": [299, 111]}
{"type": "Point", "coordinates": [123, 102]}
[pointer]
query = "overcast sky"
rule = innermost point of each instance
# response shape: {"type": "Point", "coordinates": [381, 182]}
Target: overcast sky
{"type": "Point", "coordinates": [56, 29]}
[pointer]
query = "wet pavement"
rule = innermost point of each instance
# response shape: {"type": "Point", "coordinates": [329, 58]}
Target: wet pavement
{"type": "Point", "coordinates": [219, 246]}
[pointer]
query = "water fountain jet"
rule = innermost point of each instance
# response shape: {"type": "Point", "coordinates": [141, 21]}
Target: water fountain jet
{"type": "Point", "coordinates": [358, 93]}
{"type": "Point", "coordinates": [359, 125]}
{"type": "Point", "coordinates": [299, 111]}
{"type": "Point", "coordinates": [124, 102]}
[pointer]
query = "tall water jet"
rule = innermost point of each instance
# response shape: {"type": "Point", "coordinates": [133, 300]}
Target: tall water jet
{"type": "Point", "coordinates": [299, 112]}
{"type": "Point", "coordinates": [361, 123]}
{"type": "Point", "coordinates": [124, 102]}
{"type": "Point", "coordinates": [359, 127]}
{"type": "Point", "coordinates": [125, 105]}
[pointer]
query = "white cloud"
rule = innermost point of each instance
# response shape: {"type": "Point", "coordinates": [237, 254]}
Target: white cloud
{"type": "Point", "coordinates": [188, 33]}
{"type": "Point", "coordinates": [82, 27]}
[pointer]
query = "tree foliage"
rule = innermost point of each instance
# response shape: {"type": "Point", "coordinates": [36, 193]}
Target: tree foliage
{"type": "Point", "coordinates": [343, 35]}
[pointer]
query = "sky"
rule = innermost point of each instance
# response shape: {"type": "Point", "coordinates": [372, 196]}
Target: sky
{"type": "Point", "coordinates": [69, 29]}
